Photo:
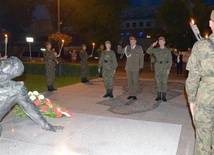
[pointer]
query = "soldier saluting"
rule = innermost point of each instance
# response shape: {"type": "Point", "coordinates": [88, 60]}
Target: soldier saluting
{"type": "Point", "coordinates": [134, 66]}
{"type": "Point", "coordinates": [162, 66]}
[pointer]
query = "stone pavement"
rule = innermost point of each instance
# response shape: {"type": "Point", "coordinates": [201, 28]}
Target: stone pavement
{"type": "Point", "coordinates": [104, 126]}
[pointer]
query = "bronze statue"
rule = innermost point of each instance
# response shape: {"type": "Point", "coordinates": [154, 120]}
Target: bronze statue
{"type": "Point", "coordinates": [12, 92]}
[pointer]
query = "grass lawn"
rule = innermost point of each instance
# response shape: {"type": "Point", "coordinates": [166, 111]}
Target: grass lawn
{"type": "Point", "coordinates": [38, 82]}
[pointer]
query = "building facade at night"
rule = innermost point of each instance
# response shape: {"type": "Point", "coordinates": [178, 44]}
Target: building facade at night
{"type": "Point", "coordinates": [139, 22]}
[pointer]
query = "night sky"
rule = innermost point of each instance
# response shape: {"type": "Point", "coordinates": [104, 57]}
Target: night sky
{"type": "Point", "coordinates": [147, 3]}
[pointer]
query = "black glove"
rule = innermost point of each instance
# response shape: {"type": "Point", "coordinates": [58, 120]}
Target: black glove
{"type": "Point", "coordinates": [140, 70]}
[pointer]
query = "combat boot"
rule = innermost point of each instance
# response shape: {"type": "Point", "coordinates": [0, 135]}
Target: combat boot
{"type": "Point", "coordinates": [164, 97]}
{"type": "Point", "coordinates": [107, 93]}
{"type": "Point", "coordinates": [49, 88]}
{"type": "Point", "coordinates": [86, 80]}
{"type": "Point", "coordinates": [111, 93]}
{"type": "Point", "coordinates": [52, 88]}
{"type": "Point", "coordinates": [158, 98]}
{"type": "Point", "coordinates": [83, 80]}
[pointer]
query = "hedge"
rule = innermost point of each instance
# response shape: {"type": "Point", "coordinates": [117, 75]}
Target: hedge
{"type": "Point", "coordinates": [67, 69]}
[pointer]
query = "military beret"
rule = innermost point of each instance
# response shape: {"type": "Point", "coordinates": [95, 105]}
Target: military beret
{"type": "Point", "coordinates": [107, 42]}
{"type": "Point", "coordinates": [132, 38]}
{"type": "Point", "coordinates": [161, 38]}
{"type": "Point", "coordinates": [212, 15]}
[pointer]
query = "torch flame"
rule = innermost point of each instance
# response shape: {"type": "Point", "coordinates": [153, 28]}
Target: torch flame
{"type": "Point", "coordinates": [192, 21]}
{"type": "Point", "coordinates": [5, 35]}
{"type": "Point", "coordinates": [63, 41]}
{"type": "Point", "coordinates": [93, 44]}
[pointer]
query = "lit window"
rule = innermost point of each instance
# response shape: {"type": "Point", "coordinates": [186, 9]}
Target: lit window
{"type": "Point", "coordinates": [140, 34]}
{"type": "Point", "coordinates": [121, 34]}
{"type": "Point", "coordinates": [127, 33]}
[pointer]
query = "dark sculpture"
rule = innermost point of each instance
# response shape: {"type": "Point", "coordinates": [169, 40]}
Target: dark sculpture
{"type": "Point", "coordinates": [12, 92]}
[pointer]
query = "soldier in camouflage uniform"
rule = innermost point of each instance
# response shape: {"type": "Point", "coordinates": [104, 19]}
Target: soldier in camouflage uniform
{"type": "Point", "coordinates": [50, 66]}
{"type": "Point", "coordinates": [134, 66]}
{"type": "Point", "coordinates": [200, 90]}
{"type": "Point", "coordinates": [84, 63]}
{"type": "Point", "coordinates": [99, 52]}
{"type": "Point", "coordinates": [108, 62]}
{"type": "Point", "coordinates": [162, 66]}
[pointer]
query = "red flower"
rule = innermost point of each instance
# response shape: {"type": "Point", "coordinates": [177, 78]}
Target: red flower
{"type": "Point", "coordinates": [44, 108]}
{"type": "Point", "coordinates": [59, 114]}
{"type": "Point", "coordinates": [37, 102]}
{"type": "Point", "coordinates": [55, 109]}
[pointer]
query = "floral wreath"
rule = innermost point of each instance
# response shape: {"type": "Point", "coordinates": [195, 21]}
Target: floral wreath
{"type": "Point", "coordinates": [46, 107]}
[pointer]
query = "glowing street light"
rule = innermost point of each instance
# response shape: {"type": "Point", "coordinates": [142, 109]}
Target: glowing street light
{"type": "Point", "coordinates": [29, 40]}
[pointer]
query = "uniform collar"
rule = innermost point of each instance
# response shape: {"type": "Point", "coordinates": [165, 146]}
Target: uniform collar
{"type": "Point", "coordinates": [132, 47]}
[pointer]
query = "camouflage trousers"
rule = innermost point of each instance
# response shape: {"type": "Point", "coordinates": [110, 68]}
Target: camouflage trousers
{"type": "Point", "coordinates": [84, 69]}
{"type": "Point", "coordinates": [161, 79]}
{"type": "Point", "coordinates": [108, 78]}
{"type": "Point", "coordinates": [204, 121]}
{"type": "Point", "coordinates": [50, 80]}
{"type": "Point", "coordinates": [50, 72]}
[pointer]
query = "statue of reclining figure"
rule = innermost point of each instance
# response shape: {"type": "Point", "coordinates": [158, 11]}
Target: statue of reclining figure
{"type": "Point", "coordinates": [12, 92]}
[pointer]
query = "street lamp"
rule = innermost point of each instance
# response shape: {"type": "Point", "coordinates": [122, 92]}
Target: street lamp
{"type": "Point", "coordinates": [58, 15]}
{"type": "Point", "coordinates": [29, 40]}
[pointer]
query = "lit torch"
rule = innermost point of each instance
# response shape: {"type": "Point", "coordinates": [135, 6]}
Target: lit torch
{"type": "Point", "coordinates": [93, 45]}
{"type": "Point", "coordinates": [63, 41]}
{"type": "Point", "coordinates": [195, 30]}
{"type": "Point", "coordinates": [6, 41]}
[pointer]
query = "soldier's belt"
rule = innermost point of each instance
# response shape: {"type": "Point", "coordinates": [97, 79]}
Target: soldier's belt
{"type": "Point", "coordinates": [161, 62]}
{"type": "Point", "coordinates": [208, 79]}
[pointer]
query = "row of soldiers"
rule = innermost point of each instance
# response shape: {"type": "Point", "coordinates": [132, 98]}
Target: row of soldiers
{"type": "Point", "coordinates": [108, 65]}
{"type": "Point", "coordinates": [199, 84]}
{"type": "Point", "coordinates": [134, 66]}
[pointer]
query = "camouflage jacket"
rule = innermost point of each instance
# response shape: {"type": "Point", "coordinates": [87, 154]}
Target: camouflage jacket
{"type": "Point", "coordinates": [200, 64]}
{"type": "Point", "coordinates": [163, 57]}
{"type": "Point", "coordinates": [49, 55]}
{"type": "Point", "coordinates": [83, 55]}
{"type": "Point", "coordinates": [108, 60]}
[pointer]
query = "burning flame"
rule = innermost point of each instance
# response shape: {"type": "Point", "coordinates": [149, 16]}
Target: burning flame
{"type": "Point", "coordinates": [192, 21]}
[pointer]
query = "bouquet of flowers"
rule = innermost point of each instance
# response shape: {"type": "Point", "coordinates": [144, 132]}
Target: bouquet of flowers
{"type": "Point", "coordinates": [46, 107]}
